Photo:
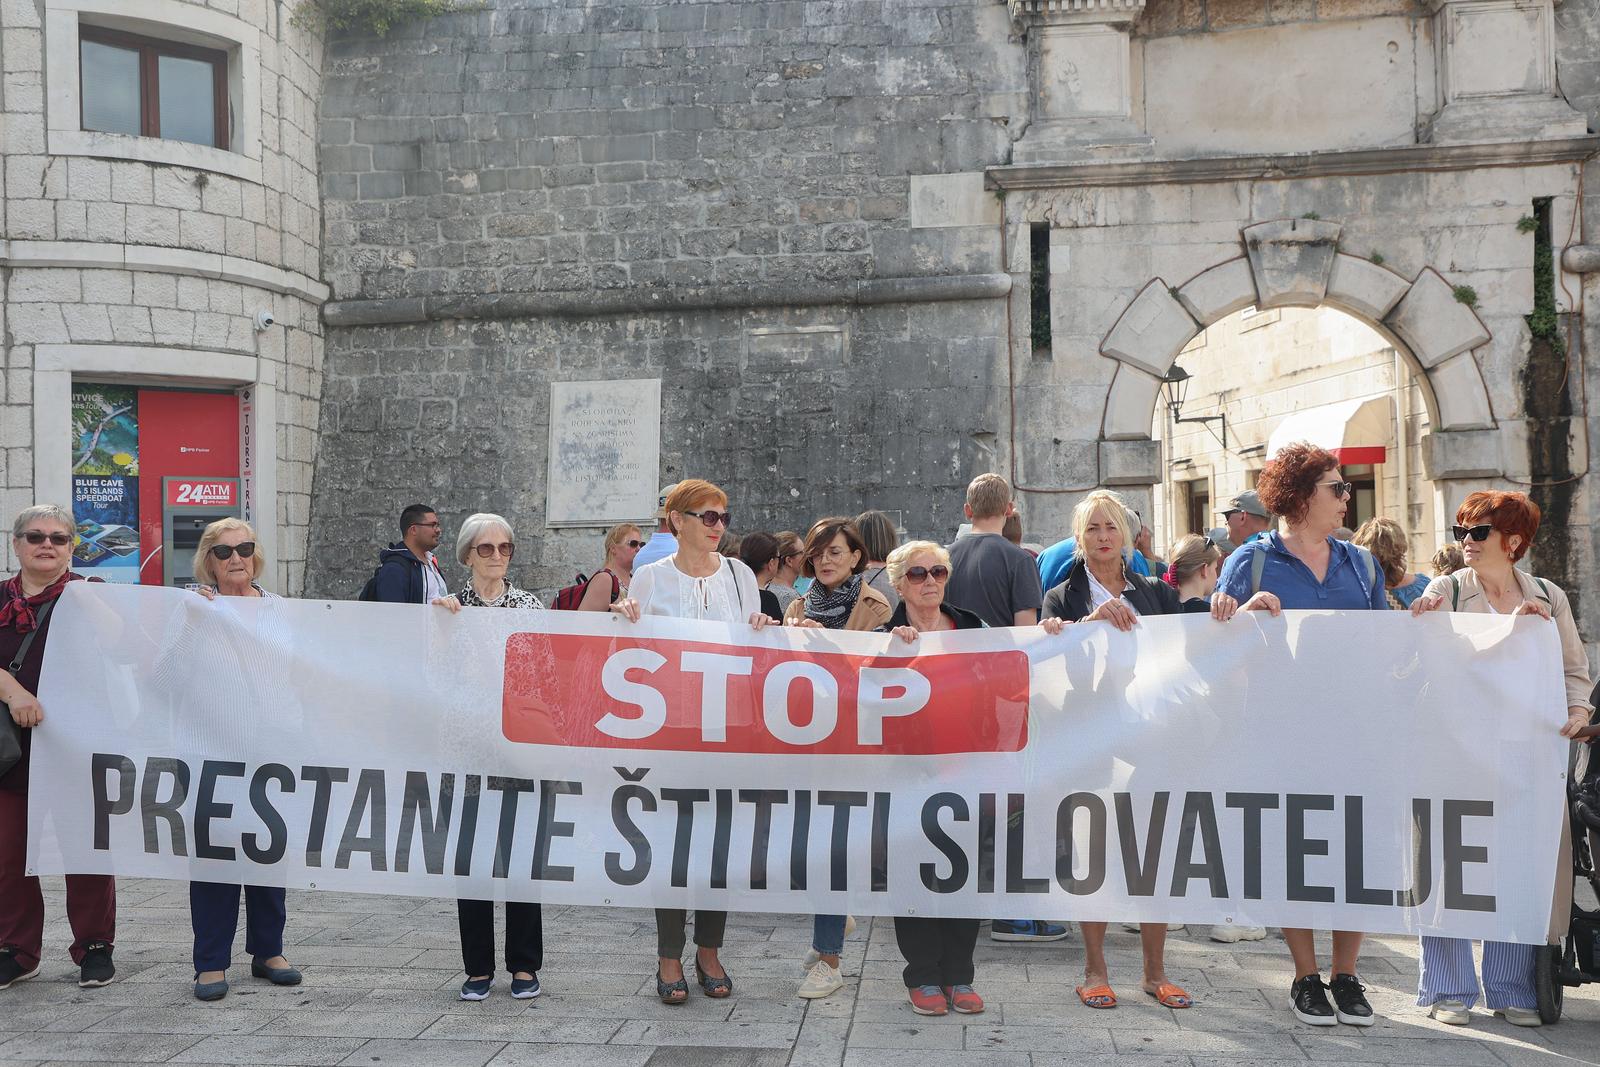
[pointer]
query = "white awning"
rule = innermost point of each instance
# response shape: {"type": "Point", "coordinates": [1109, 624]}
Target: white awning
{"type": "Point", "coordinates": [1357, 431]}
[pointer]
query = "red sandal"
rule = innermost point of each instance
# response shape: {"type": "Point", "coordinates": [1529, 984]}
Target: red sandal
{"type": "Point", "coordinates": [1100, 996]}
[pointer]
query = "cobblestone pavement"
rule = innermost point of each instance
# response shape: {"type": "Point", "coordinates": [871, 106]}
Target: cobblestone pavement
{"type": "Point", "coordinates": [381, 975]}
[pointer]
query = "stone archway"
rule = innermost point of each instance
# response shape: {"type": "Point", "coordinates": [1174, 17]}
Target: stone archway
{"type": "Point", "coordinates": [1297, 263]}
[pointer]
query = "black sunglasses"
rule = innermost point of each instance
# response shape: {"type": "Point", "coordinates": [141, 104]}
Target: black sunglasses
{"type": "Point", "coordinates": [39, 537]}
{"type": "Point", "coordinates": [1477, 533]}
{"type": "Point", "coordinates": [712, 518]}
{"type": "Point", "coordinates": [246, 549]}
{"type": "Point", "coordinates": [1340, 489]}
{"type": "Point", "coordinates": [938, 572]}
{"type": "Point", "coordinates": [634, 544]}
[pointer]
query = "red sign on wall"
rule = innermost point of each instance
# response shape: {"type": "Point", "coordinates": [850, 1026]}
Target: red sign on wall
{"type": "Point", "coordinates": [695, 696]}
{"type": "Point", "coordinates": [199, 491]}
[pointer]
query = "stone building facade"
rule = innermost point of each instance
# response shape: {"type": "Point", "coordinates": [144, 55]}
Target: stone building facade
{"type": "Point", "coordinates": [147, 262]}
{"type": "Point", "coordinates": [870, 247]}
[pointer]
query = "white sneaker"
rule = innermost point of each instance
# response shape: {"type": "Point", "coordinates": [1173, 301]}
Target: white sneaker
{"type": "Point", "coordinates": [1452, 1012]}
{"type": "Point", "coordinates": [1230, 933]}
{"type": "Point", "coordinates": [809, 960]}
{"type": "Point", "coordinates": [821, 980]}
{"type": "Point", "coordinates": [1520, 1016]}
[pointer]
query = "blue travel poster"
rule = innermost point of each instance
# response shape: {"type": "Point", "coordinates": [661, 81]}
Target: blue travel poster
{"type": "Point", "coordinates": [107, 510]}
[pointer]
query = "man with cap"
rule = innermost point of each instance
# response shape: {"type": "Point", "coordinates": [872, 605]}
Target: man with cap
{"type": "Point", "coordinates": [661, 544]}
{"type": "Point", "coordinates": [1247, 518]}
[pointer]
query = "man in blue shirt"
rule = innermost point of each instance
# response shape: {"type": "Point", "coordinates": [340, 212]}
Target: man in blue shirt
{"type": "Point", "coordinates": [661, 544]}
{"type": "Point", "coordinates": [1247, 517]}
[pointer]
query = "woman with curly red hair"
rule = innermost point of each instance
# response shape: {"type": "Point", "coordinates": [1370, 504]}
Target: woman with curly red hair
{"type": "Point", "coordinates": [1495, 530]}
{"type": "Point", "coordinates": [1306, 567]}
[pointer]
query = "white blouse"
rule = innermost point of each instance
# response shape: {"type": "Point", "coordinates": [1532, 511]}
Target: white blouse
{"type": "Point", "coordinates": [1099, 594]}
{"type": "Point", "coordinates": [729, 595]}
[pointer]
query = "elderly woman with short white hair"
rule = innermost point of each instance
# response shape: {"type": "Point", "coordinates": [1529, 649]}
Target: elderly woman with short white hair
{"type": "Point", "coordinates": [485, 546]}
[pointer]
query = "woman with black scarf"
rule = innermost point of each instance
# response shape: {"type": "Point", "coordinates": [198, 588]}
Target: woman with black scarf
{"type": "Point", "coordinates": [838, 599]}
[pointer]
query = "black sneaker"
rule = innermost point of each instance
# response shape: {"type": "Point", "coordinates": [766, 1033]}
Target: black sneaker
{"type": "Point", "coordinates": [1310, 1000]}
{"type": "Point", "coordinates": [1348, 994]}
{"type": "Point", "coordinates": [12, 972]}
{"type": "Point", "coordinates": [96, 968]}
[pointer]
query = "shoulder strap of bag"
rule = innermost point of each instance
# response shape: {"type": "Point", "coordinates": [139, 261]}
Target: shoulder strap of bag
{"type": "Point", "coordinates": [1455, 593]}
{"type": "Point", "coordinates": [1258, 563]}
{"type": "Point", "coordinates": [1544, 591]}
{"type": "Point", "coordinates": [27, 642]}
{"type": "Point", "coordinates": [1372, 567]}
{"type": "Point", "coordinates": [735, 576]}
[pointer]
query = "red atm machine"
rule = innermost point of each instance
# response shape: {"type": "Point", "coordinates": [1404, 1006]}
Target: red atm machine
{"type": "Point", "coordinates": [189, 447]}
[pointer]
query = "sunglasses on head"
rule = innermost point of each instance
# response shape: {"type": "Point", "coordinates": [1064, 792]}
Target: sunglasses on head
{"type": "Point", "coordinates": [487, 550]}
{"type": "Point", "coordinates": [938, 572]}
{"type": "Point", "coordinates": [1340, 489]}
{"type": "Point", "coordinates": [713, 518]}
{"type": "Point", "coordinates": [246, 549]}
{"type": "Point", "coordinates": [39, 537]}
{"type": "Point", "coordinates": [634, 544]}
{"type": "Point", "coordinates": [1477, 533]}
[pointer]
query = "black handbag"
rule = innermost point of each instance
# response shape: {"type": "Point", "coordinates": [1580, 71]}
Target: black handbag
{"type": "Point", "coordinates": [11, 736]}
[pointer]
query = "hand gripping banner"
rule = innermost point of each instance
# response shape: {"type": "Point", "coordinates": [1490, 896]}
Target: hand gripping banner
{"type": "Point", "coordinates": [1361, 771]}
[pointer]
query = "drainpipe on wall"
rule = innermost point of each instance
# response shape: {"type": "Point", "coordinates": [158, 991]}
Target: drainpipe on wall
{"type": "Point", "coordinates": [1402, 413]}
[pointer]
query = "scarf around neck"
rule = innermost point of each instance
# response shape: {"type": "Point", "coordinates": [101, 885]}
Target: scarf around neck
{"type": "Point", "coordinates": [18, 611]}
{"type": "Point", "coordinates": [832, 608]}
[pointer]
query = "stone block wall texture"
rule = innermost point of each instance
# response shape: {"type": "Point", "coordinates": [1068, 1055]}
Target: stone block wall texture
{"type": "Point", "coordinates": [89, 201]}
{"type": "Point", "coordinates": [644, 149]}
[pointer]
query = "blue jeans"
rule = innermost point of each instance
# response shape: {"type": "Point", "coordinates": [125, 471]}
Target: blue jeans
{"type": "Point", "coordinates": [1508, 973]}
{"type": "Point", "coordinates": [827, 935]}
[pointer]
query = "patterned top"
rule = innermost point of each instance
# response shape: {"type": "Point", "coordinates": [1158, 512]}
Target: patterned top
{"type": "Point", "coordinates": [511, 598]}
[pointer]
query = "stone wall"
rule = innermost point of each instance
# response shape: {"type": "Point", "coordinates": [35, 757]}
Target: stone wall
{"type": "Point", "coordinates": [149, 260]}
{"type": "Point", "coordinates": [760, 166]}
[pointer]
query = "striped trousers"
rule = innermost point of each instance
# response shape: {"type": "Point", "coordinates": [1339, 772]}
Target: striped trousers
{"type": "Point", "coordinates": [1447, 973]}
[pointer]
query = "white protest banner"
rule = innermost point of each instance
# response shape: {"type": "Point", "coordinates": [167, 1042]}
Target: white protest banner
{"type": "Point", "coordinates": [1363, 771]}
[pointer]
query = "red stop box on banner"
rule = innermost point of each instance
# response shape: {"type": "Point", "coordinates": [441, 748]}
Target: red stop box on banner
{"type": "Point", "coordinates": [694, 696]}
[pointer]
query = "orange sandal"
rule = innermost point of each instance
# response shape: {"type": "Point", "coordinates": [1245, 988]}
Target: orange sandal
{"type": "Point", "coordinates": [1100, 996]}
{"type": "Point", "coordinates": [1171, 996]}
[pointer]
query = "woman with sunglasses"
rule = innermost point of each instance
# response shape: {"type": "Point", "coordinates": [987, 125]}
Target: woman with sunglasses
{"type": "Point", "coordinates": [42, 539]}
{"type": "Point", "coordinates": [694, 583]}
{"type": "Point", "coordinates": [485, 546]}
{"type": "Point", "coordinates": [227, 563]}
{"type": "Point", "coordinates": [938, 952]}
{"type": "Point", "coordinates": [839, 598]}
{"type": "Point", "coordinates": [1101, 586]}
{"type": "Point", "coordinates": [1307, 568]}
{"type": "Point", "coordinates": [1495, 530]}
{"type": "Point", "coordinates": [623, 543]}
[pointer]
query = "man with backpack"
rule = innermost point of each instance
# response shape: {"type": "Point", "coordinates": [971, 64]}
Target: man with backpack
{"type": "Point", "coordinates": [407, 571]}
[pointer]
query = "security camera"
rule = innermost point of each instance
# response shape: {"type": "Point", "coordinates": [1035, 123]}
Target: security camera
{"type": "Point", "coordinates": [264, 319]}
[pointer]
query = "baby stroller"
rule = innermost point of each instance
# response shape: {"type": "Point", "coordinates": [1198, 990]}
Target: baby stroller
{"type": "Point", "coordinates": [1576, 961]}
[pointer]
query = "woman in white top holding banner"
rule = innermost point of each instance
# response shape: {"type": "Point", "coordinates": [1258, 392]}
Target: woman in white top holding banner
{"type": "Point", "coordinates": [694, 583]}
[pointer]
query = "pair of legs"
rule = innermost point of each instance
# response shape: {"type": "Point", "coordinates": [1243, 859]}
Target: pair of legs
{"type": "Point", "coordinates": [524, 938]}
{"type": "Point", "coordinates": [91, 898]}
{"type": "Point", "coordinates": [709, 927]}
{"type": "Point", "coordinates": [1447, 974]}
{"type": "Point", "coordinates": [1302, 946]}
{"type": "Point", "coordinates": [938, 952]}
{"type": "Point", "coordinates": [214, 914]}
{"type": "Point", "coordinates": [827, 938]}
{"type": "Point", "coordinates": [1152, 938]}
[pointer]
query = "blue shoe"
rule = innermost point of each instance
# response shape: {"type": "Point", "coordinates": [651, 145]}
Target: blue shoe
{"type": "Point", "coordinates": [1025, 930]}
{"type": "Point", "coordinates": [211, 990]}
{"type": "Point", "coordinates": [476, 988]}
{"type": "Point", "coordinates": [525, 988]}
{"type": "Point", "coordinates": [275, 975]}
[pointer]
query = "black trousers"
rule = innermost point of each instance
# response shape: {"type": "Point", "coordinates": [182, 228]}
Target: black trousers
{"type": "Point", "coordinates": [709, 927]}
{"type": "Point", "coordinates": [937, 951]}
{"type": "Point", "coordinates": [524, 936]}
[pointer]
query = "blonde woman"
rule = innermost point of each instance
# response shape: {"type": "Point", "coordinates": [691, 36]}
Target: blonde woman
{"type": "Point", "coordinates": [1195, 564]}
{"type": "Point", "coordinates": [1386, 540]}
{"type": "Point", "coordinates": [623, 543]}
{"type": "Point", "coordinates": [227, 562]}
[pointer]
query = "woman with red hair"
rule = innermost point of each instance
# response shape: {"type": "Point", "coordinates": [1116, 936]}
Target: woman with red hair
{"type": "Point", "coordinates": [1307, 567]}
{"type": "Point", "coordinates": [1495, 530]}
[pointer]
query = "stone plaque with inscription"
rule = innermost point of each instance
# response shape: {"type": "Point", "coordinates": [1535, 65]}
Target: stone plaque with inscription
{"type": "Point", "coordinates": [605, 452]}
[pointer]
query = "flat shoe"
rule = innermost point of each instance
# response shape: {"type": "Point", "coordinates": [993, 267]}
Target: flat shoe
{"type": "Point", "coordinates": [671, 992]}
{"type": "Point", "coordinates": [1100, 997]}
{"type": "Point", "coordinates": [275, 975]}
{"type": "Point", "coordinates": [1171, 996]}
{"type": "Point", "coordinates": [211, 990]}
{"type": "Point", "coordinates": [1520, 1016]}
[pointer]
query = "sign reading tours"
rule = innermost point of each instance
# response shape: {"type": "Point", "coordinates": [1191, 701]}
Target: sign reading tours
{"type": "Point", "coordinates": [1354, 771]}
